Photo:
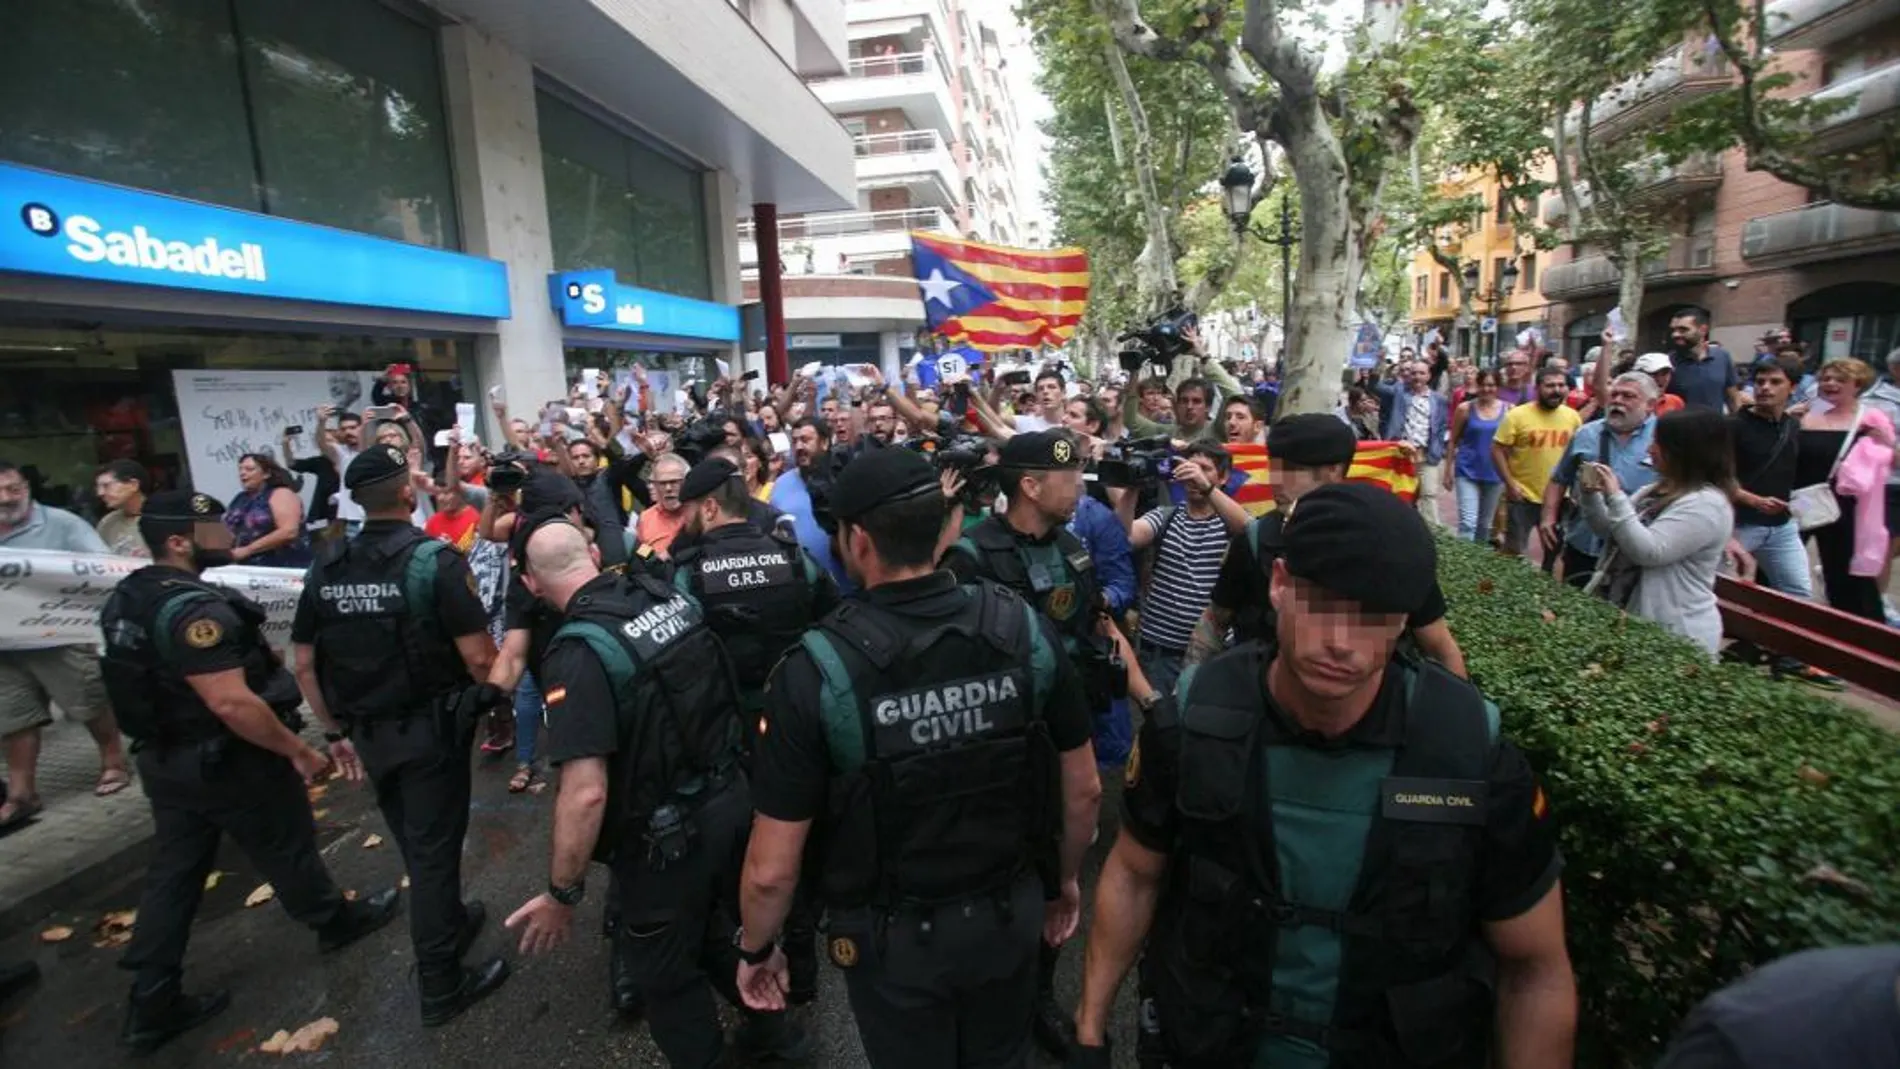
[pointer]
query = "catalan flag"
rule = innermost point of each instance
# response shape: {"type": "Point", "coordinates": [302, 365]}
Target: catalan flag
{"type": "Point", "coordinates": [1381, 463]}
{"type": "Point", "coordinates": [995, 298]}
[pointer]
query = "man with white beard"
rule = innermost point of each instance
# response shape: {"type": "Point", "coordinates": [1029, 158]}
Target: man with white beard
{"type": "Point", "coordinates": [1621, 440]}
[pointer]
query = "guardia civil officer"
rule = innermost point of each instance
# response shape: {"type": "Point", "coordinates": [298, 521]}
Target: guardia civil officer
{"type": "Point", "coordinates": [390, 636]}
{"type": "Point", "coordinates": [213, 715]}
{"type": "Point", "coordinates": [1329, 850]}
{"type": "Point", "coordinates": [937, 737]}
{"type": "Point", "coordinates": [759, 592]}
{"type": "Point", "coordinates": [1030, 549]}
{"type": "Point", "coordinates": [643, 719]}
{"type": "Point", "coordinates": [1303, 451]}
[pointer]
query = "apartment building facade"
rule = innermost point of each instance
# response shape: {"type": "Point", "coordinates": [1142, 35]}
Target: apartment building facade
{"type": "Point", "coordinates": [1752, 251]}
{"type": "Point", "coordinates": [1501, 277]}
{"type": "Point", "coordinates": [936, 134]}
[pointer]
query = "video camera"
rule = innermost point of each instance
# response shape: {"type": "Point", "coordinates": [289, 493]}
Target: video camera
{"type": "Point", "coordinates": [700, 438]}
{"type": "Point", "coordinates": [1136, 462]}
{"type": "Point", "coordinates": [508, 470]}
{"type": "Point", "coordinates": [1159, 342]}
{"type": "Point", "coordinates": [968, 455]}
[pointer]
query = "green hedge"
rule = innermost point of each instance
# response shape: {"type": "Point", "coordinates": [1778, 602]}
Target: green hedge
{"type": "Point", "coordinates": [1711, 818]}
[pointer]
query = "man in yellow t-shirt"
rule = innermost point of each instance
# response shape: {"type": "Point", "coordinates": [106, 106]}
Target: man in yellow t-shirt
{"type": "Point", "coordinates": [1530, 440]}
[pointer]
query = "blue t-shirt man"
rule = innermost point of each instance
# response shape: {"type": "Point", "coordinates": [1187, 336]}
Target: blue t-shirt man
{"type": "Point", "coordinates": [1629, 459]}
{"type": "Point", "coordinates": [1704, 372]}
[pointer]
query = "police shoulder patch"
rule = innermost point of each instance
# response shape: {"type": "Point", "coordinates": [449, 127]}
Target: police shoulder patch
{"type": "Point", "coordinates": [203, 633]}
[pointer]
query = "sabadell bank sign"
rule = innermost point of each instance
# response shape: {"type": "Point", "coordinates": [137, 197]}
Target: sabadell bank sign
{"type": "Point", "coordinates": [76, 228]}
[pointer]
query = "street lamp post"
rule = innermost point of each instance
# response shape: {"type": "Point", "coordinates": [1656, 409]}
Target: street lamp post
{"type": "Point", "coordinates": [1492, 299]}
{"type": "Point", "coordinates": [1237, 195]}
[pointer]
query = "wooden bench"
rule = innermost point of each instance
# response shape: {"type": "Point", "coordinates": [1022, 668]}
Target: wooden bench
{"type": "Point", "coordinates": [1858, 650]}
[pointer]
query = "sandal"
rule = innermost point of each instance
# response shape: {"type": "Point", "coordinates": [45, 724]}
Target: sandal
{"type": "Point", "coordinates": [23, 810]}
{"type": "Point", "coordinates": [523, 778]}
{"type": "Point", "coordinates": [111, 782]}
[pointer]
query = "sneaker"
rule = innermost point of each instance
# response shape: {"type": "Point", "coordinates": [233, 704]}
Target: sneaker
{"type": "Point", "coordinates": [1811, 676]}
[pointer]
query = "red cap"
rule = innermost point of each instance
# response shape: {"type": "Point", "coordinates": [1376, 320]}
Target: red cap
{"type": "Point", "coordinates": [406, 370]}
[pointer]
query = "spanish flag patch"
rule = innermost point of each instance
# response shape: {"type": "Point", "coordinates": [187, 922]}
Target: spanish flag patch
{"type": "Point", "coordinates": [559, 694]}
{"type": "Point", "coordinates": [1540, 807]}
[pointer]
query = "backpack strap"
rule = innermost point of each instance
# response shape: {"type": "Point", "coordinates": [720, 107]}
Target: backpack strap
{"type": "Point", "coordinates": [837, 701]}
{"type": "Point", "coordinates": [418, 574]}
{"type": "Point", "coordinates": [861, 630]}
{"type": "Point", "coordinates": [996, 549]}
{"type": "Point", "coordinates": [613, 656]}
{"type": "Point", "coordinates": [1451, 729]}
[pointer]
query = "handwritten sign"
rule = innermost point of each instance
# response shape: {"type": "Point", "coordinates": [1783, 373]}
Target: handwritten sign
{"type": "Point", "coordinates": [226, 414]}
{"type": "Point", "coordinates": [53, 598]}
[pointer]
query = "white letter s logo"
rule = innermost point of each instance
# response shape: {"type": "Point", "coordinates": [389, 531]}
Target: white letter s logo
{"type": "Point", "coordinates": [593, 300]}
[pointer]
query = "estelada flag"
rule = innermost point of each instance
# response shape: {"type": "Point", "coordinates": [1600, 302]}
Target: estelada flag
{"type": "Point", "coordinates": [1380, 463]}
{"type": "Point", "coordinates": [994, 298]}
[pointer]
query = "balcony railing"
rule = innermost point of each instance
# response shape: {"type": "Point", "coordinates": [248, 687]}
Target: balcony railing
{"type": "Point", "coordinates": [1651, 177]}
{"type": "Point", "coordinates": [1819, 232]}
{"type": "Point", "coordinates": [1802, 24]}
{"type": "Point", "coordinates": [1870, 95]}
{"type": "Point", "coordinates": [1684, 74]}
{"type": "Point", "coordinates": [844, 224]}
{"type": "Point", "coordinates": [1688, 259]}
{"type": "Point", "coordinates": [903, 142]}
{"type": "Point", "coordinates": [895, 65]}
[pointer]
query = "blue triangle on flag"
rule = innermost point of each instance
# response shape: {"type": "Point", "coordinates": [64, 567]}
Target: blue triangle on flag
{"type": "Point", "coordinates": [948, 291]}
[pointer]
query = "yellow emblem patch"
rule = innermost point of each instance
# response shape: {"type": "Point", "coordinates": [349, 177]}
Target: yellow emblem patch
{"type": "Point", "coordinates": [203, 634]}
{"type": "Point", "coordinates": [1061, 603]}
{"type": "Point", "coordinates": [1062, 451]}
{"type": "Point", "coordinates": [844, 952]}
{"type": "Point", "coordinates": [1131, 772]}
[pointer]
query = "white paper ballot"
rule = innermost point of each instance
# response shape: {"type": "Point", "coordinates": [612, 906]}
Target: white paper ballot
{"type": "Point", "coordinates": [465, 417]}
{"type": "Point", "coordinates": [590, 381]}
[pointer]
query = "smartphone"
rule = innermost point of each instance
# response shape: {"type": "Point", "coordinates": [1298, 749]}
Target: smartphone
{"type": "Point", "coordinates": [293, 430]}
{"type": "Point", "coordinates": [749, 376]}
{"type": "Point", "coordinates": [382, 412]}
{"type": "Point", "coordinates": [1014, 378]}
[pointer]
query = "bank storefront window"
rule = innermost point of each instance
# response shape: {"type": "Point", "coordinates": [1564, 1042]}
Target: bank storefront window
{"type": "Point", "coordinates": [329, 113]}
{"type": "Point", "coordinates": [616, 203]}
{"type": "Point", "coordinates": [188, 403]}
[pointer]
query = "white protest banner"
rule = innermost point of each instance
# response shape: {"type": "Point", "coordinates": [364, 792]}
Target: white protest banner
{"type": "Point", "coordinates": [226, 414]}
{"type": "Point", "coordinates": [49, 598]}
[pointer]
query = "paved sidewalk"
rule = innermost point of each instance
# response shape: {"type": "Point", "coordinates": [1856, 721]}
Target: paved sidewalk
{"type": "Point", "coordinates": [79, 842]}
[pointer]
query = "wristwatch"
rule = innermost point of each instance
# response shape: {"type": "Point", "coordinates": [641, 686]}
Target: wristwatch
{"type": "Point", "coordinates": [570, 895]}
{"type": "Point", "coordinates": [752, 957]}
{"type": "Point", "coordinates": [1145, 704]}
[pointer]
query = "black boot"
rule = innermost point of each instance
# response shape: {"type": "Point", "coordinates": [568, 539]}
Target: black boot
{"type": "Point", "coordinates": [475, 915]}
{"type": "Point", "coordinates": [771, 1037]}
{"type": "Point", "coordinates": [358, 919]}
{"type": "Point", "coordinates": [448, 992]}
{"type": "Point", "coordinates": [623, 981]}
{"type": "Point", "coordinates": [17, 977]}
{"type": "Point", "coordinates": [161, 1013]}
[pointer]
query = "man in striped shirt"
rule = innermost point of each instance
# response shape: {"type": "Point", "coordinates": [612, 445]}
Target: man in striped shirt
{"type": "Point", "coordinates": [1189, 541]}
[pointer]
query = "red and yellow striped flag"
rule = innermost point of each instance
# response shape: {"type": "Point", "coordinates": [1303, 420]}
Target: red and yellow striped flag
{"type": "Point", "coordinates": [1380, 463]}
{"type": "Point", "coordinates": [995, 298]}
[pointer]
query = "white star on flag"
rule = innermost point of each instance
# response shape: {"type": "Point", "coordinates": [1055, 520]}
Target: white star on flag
{"type": "Point", "coordinates": [938, 288]}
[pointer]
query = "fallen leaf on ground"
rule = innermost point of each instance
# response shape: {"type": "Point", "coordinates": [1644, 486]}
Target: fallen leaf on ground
{"type": "Point", "coordinates": [403, 883]}
{"type": "Point", "coordinates": [211, 879]}
{"type": "Point", "coordinates": [115, 929]}
{"type": "Point", "coordinates": [306, 1040]}
{"type": "Point", "coordinates": [1486, 586]}
{"type": "Point", "coordinates": [264, 893]}
{"type": "Point", "coordinates": [537, 787]}
{"type": "Point", "coordinates": [1549, 617]}
{"type": "Point", "coordinates": [123, 918]}
{"type": "Point", "coordinates": [1814, 775]}
{"type": "Point", "coordinates": [371, 842]}
{"type": "Point", "coordinates": [59, 933]}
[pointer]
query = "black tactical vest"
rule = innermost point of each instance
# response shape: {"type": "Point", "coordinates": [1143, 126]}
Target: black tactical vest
{"type": "Point", "coordinates": [756, 591]}
{"type": "Point", "coordinates": [381, 651]}
{"type": "Point", "coordinates": [949, 782]}
{"type": "Point", "coordinates": [1067, 597]}
{"type": "Point", "coordinates": [151, 700]}
{"type": "Point", "coordinates": [1412, 985]}
{"type": "Point", "coordinates": [677, 704]}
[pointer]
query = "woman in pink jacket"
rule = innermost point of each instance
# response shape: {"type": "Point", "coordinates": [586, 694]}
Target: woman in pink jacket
{"type": "Point", "coordinates": [1849, 446]}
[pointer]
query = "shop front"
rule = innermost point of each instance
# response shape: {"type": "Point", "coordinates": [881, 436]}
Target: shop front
{"type": "Point", "coordinates": [184, 334]}
{"type": "Point", "coordinates": [612, 327]}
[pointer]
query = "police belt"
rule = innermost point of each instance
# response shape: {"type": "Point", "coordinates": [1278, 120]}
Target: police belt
{"type": "Point", "coordinates": [923, 912]}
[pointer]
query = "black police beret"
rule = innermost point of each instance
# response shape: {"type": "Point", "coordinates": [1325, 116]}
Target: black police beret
{"type": "Point", "coordinates": [1049, 450]}
{"type": "Point", "coordinates": [182, 506]}
{"type": "Point", "coordinates": [1311, 440]}
{"type": "Point", "coordinates": [376, 464]}
{"type": "Point", "coordinates": [1361, 542]}
{"type": "Point", "coordinates": [707, 475]}
{"type": "Point", "coordinates": [879, 476]}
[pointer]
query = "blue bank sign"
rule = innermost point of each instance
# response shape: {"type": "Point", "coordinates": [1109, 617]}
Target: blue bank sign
{"type": "Point", "coordinates": [76, 228]}
{"type": "Point", "coordinates": [595, 299]}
